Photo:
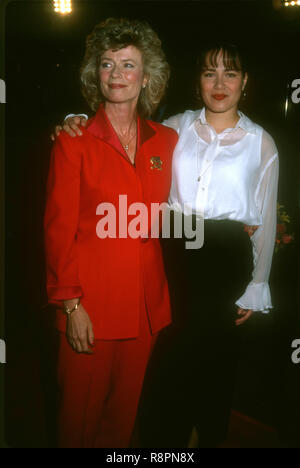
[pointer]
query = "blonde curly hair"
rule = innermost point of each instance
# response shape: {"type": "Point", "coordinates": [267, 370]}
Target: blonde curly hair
{"type": "Point", "coordinates": [116, 34]}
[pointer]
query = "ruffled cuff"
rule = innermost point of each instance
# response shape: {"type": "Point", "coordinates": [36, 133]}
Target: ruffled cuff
{"type": "Point", "coordinates": [257, 297]}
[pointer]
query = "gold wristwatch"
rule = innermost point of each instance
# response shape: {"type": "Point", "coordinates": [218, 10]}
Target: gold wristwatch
{"type": "Point", "coordinates": [69, 311]}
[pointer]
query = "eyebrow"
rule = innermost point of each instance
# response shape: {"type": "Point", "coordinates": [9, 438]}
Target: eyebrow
{"type": "Point", "coordinates": [123, 60]}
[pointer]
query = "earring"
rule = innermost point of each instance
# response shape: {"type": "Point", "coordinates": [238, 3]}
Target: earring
{"type": "Point", "coordinates": [244, 94]}
{"type": "Point", "coordinates": [144, 86]}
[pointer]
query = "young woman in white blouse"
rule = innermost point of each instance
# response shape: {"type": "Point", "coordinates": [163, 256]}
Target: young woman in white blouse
{"type": "Point", "coordinates": [226, 167]}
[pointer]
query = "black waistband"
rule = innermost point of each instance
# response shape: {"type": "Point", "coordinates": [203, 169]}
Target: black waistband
{"type": "Point", "coordinates": [224, 231]}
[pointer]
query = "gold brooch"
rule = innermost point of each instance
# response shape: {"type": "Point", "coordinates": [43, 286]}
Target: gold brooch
{"type": "Point", "coordinates": [156, 163]}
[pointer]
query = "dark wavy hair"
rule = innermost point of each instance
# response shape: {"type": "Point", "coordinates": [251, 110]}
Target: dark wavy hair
{"type": "Point", "coordinates": [116, 34]}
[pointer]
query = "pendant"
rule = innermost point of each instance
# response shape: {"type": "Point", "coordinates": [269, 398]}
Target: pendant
{"type": "Point", "coordinates": [126, 147]}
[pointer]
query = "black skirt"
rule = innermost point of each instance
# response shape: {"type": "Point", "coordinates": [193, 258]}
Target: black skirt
{"type": "Point", "coordinates": [191, 376]}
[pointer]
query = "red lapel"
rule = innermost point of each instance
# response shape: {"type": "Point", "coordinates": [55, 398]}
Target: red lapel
{"type": "Point", "coordinates": [100, 127]}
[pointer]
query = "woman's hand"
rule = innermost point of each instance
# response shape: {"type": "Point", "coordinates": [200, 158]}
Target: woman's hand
{"type": "Point", "coordinates": [244, 316]}
{"type": "Point", "coordinates": [80, 331]}
{"type": "Point", "coordinates": [71, 126]}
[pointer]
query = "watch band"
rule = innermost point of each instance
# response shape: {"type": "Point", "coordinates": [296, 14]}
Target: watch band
{"type": "Point", "coordinates": [69, 311]}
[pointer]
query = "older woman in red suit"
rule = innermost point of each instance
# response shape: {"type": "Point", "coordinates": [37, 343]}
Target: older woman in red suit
{"type": "Point", "coordinates": [111, 286]}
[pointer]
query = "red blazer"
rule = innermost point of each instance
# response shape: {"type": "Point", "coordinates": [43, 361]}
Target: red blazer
{"type": "Point", "coordinates": [110, 275]}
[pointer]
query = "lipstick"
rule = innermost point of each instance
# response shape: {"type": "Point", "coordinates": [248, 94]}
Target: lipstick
{"type": "Point", "coordinates": [219, 97]}
{"type": "Point", "coordinates": [116, 86]}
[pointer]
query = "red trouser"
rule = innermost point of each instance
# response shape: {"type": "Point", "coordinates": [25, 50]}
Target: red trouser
{"type": "Point", "coordinates": [100, 392]}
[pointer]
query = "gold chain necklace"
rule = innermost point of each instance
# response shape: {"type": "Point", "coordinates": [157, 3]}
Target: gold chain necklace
{"type": "Point", "coordinates": [126, 147]}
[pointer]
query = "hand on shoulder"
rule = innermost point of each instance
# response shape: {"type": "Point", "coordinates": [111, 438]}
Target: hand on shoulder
{"type": "Point", "coordinates": [71, 126]}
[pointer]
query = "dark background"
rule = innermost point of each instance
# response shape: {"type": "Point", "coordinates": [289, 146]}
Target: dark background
{"type": "Point", "coordinates": [43, 55]}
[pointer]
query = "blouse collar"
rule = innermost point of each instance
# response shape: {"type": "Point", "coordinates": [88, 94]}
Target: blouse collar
{"type": "Point", "coordinates": [244, 122]}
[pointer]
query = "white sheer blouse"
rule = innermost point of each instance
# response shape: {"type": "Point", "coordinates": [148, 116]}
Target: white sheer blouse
{"type": "Point", "coordinates": [231, 175]}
